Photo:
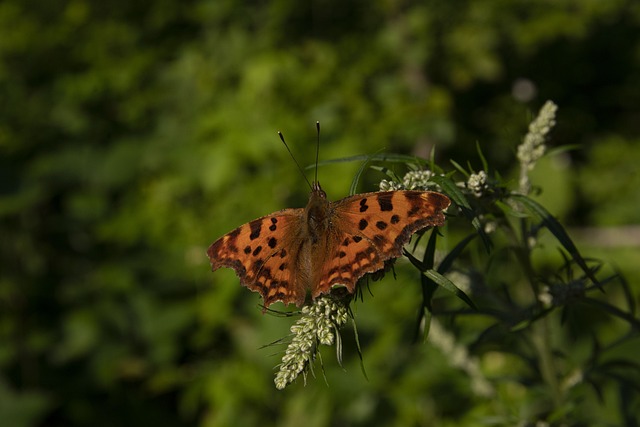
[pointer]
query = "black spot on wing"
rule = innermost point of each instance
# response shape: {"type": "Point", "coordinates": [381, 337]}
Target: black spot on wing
{"type": "Point", "coordinates": [384, 201]}
{"type": "Point", "coordinates": [232, 237]}
{"type": "Point", "coordinates": [256, 229]}
{"type": "Point", "coordinates": [381, 225]}
{"type": "Point", "coordinates": [415, 200]}
{"type": "Point", "coordinates": [413, 196]}
{"type": "Point", "coordinates": [415, 210]}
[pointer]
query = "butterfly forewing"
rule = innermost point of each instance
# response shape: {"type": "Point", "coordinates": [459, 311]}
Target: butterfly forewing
{"type": "Point", "coordinates": [372, 228]}
{"type": "Point", "coordinates": [262, 253]}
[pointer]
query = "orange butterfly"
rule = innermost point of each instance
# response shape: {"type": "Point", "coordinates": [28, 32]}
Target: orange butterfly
{"type": "Point", "coordinates": [290, 252]}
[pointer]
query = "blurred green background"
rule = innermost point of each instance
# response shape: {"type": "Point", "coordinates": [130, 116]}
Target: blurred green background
{"type": "Point", "coordinates": [133, 134]}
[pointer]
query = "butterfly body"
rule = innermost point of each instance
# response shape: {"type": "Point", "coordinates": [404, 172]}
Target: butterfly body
{"type": "Point", "coordinates": [318, 214]}
{"type": "Point", "coordinates": [295, 252]}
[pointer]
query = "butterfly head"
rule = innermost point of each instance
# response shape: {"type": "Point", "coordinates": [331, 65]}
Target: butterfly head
{"type": "Point", "coordinates": [317, 191]}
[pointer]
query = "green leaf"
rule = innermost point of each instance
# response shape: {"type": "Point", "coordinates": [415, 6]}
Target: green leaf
{"type": "Point", "coordinates": [614, 311]}
{"type": "Point", "coordinates": [509, 210]}
{"type": "Point", "coordinates": [379, 157]}
{"type": "Point", "coordinates": [437, 279]}
{"type": "Point", "coordinates": [429, 257]}
{"type": "Point", "coordinates": [391, 174]}
{"type": "Point", "coordinates": [525, 323]}
{"type": "Point", "coordinates": [447, 284]}
{"type": "Point", "coordinates": [556, 229]}
{"type": "Point", "coordinates": [445, 264]}
{"type": "Point", "coordinates": [459, 168]}
{"type": "Point", "coordinates": [358, 347]}
{"type": "Point", "coordinates": [356, 179]}
{"type": "Point", "coordinates": [424, 318]}
{"type": "Point", "coordinates": [485, 165]}
{"type": "Point", "coordinates": [453, 191]}
{"type": "Point", "coordinates": [338, 339]}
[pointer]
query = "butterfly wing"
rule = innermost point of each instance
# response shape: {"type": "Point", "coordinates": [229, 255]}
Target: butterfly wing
{"type": "Point", "coordinates": [262, 253]}
{"type": "Point", "coordinates": [370, 228]}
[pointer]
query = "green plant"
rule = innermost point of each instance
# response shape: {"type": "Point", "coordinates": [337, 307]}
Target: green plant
{"type": "Point", "coordinates": [537, 315]}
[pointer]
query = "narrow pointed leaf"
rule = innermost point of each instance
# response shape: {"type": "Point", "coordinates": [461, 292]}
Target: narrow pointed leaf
{"type": "Point", "coordinates": [557, 230]}
{"type": "Point", "coordinates": [449, 286]}
{"type": "Point", "coordinates": [455, 194]}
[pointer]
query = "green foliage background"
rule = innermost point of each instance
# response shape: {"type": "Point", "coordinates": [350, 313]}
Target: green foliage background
{"type": "Point", "coordinates": [133, 134]}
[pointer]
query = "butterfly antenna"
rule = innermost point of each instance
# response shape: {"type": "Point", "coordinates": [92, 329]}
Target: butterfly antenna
{"type": "Point", "coordinates": [294, 159]}
{"type": "Point", "coordinates": [317, 149]}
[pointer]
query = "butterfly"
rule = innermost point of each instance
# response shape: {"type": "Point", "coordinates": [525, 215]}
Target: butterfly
{"type": "Point", "coordinates": [295, 252]}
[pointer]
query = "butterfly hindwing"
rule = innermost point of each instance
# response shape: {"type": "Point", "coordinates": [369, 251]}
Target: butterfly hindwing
{"type": "Point", "coordinates": [349, 259]}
